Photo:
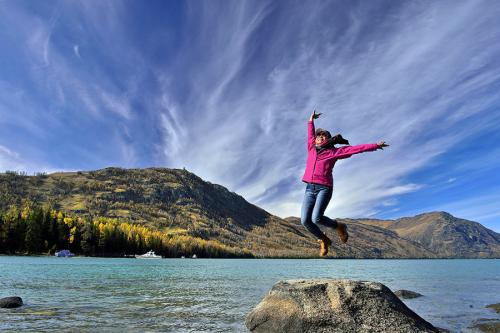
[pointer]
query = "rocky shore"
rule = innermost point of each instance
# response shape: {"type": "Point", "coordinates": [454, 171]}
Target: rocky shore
{"type": "Point", "coordinates": [488, 325]}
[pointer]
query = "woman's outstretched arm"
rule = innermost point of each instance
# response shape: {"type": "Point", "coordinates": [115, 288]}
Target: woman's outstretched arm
{"type": "Point", "coordinates": [348, 151]}
{"type": "Point", "coordinates": [310, 129]}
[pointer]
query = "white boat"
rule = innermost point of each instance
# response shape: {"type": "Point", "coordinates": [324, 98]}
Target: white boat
{"type": "Point", "coordinates": [148, 255]}
{"type": "Point", "coordinates": [65, 254]}
{"type": "Point", "coordinates": [194, 256]}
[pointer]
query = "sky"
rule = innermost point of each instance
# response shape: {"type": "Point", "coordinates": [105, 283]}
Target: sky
{"type": "Point", "coordinates": [225, 89]}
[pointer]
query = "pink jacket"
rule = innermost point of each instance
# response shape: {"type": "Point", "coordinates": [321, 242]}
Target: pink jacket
{"type": "Point", "coordinates": [320, 165]}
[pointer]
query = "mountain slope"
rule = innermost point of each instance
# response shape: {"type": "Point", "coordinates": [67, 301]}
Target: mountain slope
{"type": "Point", "coordinates": [449, 236]}
{"type": "Point", "coordinates": [367, 241]}
{"type": "Point", "coordinates": [170, 200]}
{"type": "Point", "coordinates": [177, 201]}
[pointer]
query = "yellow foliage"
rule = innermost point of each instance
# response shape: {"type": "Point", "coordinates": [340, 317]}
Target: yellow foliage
{"type": "Point", "coordinates": [72, 233]}
{"type": "Point", "coordinates": [26, 209]}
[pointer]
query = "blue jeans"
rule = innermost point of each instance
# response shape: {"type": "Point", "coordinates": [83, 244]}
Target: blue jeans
{"type": "Point", "coordinates": [316, 198]}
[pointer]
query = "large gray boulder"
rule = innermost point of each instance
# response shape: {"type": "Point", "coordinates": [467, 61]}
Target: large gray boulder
{"type": "Point", "coordinates": [343, 306]}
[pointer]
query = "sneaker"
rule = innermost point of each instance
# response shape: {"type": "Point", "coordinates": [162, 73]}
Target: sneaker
{"type": "Point", "coordinates": [324, 243]}
{"type": "Point", "coordinates": [342, 232]}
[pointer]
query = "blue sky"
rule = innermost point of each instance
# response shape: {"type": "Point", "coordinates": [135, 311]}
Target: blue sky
{"type": "Point", "coordinates": [224, 88]}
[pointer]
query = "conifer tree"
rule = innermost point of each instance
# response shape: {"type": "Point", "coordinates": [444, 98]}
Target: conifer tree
{"type": "Point", "coordinates": [46, 229]}
{"type": "Point", "coordinates": [53, 233]}
{"type": "Point", "coordinates": [33, 237]}
{"type": "Point", "coordinates": [88, 238]}
{"type": "Point", "coordinates": [3, 234]}
{"type": "Point", "coordinates": [62, 232]}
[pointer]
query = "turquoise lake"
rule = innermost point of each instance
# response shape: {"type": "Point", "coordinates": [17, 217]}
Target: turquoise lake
{"type": "Point", "coordinates": [214, 295]}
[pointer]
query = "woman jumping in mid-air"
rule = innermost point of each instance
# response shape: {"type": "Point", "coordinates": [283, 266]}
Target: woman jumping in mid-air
{"type": "Point", "coordinates": [321, 157]}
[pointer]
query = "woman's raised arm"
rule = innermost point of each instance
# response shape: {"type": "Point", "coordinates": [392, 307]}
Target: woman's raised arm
{"type": "Point", "coordinates": [310, 129]}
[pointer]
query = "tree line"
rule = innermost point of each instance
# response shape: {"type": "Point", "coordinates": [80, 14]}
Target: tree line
{"type": "Point", "coordinates": [33, 229]}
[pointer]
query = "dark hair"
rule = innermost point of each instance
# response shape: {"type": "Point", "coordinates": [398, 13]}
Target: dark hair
{"type": "Point", "coordinates": [322, 131]}
{"type": "Point", "coordinates": [331, 142]}
{"type": "Point", "coordinates": [339, 140]}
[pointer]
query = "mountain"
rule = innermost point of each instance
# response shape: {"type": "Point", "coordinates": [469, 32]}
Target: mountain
{"type": "Point", "coordinates": [448, 236]}
{"type": "Point", "coordinates": [175, 200]}
{"type": "Point", "coordinates": [169, 200]}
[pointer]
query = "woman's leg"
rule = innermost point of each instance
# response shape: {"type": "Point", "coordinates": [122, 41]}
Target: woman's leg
{"type": "Point", "coordinates": [308, 206]}
{"type": "Point", "coordinates": [323, 198]}
{"type": "Point", "coordinates": [328, 222]}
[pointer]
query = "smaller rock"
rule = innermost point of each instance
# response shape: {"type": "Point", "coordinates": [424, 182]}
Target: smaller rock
{"type": "Point", "coordinates": [406, 294]}
{"type": "Point", "coordinates": [443, 330]}
{"type": "Point", "coordinates": [495, 307]}
{"type": "Point", "coordinates": [486, 325]}
{"type": "Point", "coordinates": [11, 302]}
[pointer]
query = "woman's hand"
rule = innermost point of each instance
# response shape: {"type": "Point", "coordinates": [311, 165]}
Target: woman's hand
{"type": "Point", "coordinates": [382, 144]}
{"type": "Point", "coordinates": [314, 115]}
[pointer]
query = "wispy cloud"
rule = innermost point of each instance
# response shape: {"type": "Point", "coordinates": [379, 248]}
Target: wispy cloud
{"type": "Point", "coordinates": [7, 152]}
{"type": "Point", "coordinates": [13, 161]}
{"type": "Point", "coordinates": [57, 93]}
{"type": "Point", "coordinates": [76, 50]}
{"type": "Point", "coordinates": [116, 104]}
{"type": "Point", "coordinates": [9, 161]}
{"type": "Point", "coordinates": [411, 75]}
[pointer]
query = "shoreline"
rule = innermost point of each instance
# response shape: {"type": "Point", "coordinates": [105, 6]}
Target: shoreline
{"type": "Point", "coordinates": [246, 258]}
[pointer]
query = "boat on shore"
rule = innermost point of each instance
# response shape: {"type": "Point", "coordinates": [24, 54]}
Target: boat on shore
{"type": "Point", "coordinates": [64, 254]}
{"type": "Point", "coordinates": [148, 255]}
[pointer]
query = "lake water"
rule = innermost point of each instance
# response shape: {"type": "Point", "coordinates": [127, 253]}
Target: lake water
{"type": "Point", "coordinates": [214, 295]}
